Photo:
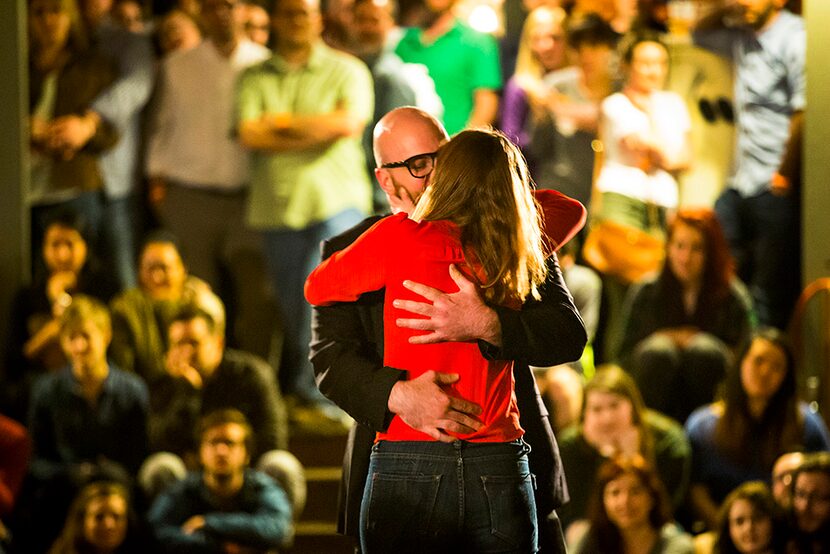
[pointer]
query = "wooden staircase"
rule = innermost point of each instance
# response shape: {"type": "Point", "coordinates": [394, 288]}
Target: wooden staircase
{"type": "Point", "coordinates": [322, 457]}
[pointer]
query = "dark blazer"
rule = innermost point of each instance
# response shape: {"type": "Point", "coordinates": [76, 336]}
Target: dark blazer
{"type": "Point", "coordinates": [347, 354]}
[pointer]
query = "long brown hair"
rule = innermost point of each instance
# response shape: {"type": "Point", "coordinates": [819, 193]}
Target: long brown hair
{"type": "Point", "coordinates": [481, 184]}
{"type": "Point", "coordinates": [71, 539]}
{"type": "Point", "coordinates": [780, 427]}
{"type": "Point", "coordinates": [718, 267]}
{"type": "Point", "coordinates": [613, 379]}
{"type": "Point", "coordinates": [603, 530]}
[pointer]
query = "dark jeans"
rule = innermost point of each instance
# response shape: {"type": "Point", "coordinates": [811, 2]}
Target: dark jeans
{"type": "Point", "coordinates": [459, 497]}
{"type": "Point", "coordinates": [764, 235]}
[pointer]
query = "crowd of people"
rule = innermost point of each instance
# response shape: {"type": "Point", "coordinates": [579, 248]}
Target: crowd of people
{"type": "Point", "coordinates": [542, 347]}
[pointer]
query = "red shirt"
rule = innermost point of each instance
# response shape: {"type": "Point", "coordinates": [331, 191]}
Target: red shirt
{"type": "Point", "coordinates": [397, 248]}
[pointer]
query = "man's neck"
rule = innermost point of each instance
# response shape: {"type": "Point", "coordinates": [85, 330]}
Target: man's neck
{"type": "Point", "coordinates": [224, 486]}
{"type": "Point", "coordinates": [226, 45]}
{"type": "Point", "coordinates": [771, 19]}
{"type": "Point", "coordinates": [440, 27]}
{"type": "Point", "coordinates": [294, 54]}
{"type": "Point", "coordinates": [92, 380]}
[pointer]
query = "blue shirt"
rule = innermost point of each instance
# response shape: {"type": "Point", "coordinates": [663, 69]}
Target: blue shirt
{"type": "Point", "coordinates": [711, 467]}
{"type": "Point", "coordinates": [769, 87]}
{"type": "Point", "coordinates": [66, 429]}
{"type": "Point", "coordinates": [258, 517]}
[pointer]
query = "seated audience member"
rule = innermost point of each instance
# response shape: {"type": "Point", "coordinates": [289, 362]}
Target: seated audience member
{"type": "Point", "coordinates": [15, 449]}
{"type": "Point", "coordinates": [630, 513]}
{"type": "Point", "coordinates": [684, 325]}
{"type": "Point", "coordinates": [203, 377]}
{"type": "Point", "coordinates": [142, 315]}
{"type": "Point", "coordinates": [782, 477]}
{"type": "Point", "coordinates": [615, 422]}
{"type": "Point", "coordinates": [749, 522]}
{"type": "Point", "coordinates": [101, 521]}
{"type": "Point", "coordinates": [177, 31]}
{"type": "Point", "coordinates": [87, 420]}
{"type": "Point", "coordinates": [810, 513]}
{"type": "Point", "coordinates": [226, 507]}
{"type": "Point", "coordinates": [67, 269]}
{"type": "Point", "coordinates": [738, 439]}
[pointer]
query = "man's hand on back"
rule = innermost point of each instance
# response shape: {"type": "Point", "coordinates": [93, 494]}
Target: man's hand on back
{"type": "Point", "coordinates": [424, 404]}
{"type": "Point", "coordinates": [460, 316]}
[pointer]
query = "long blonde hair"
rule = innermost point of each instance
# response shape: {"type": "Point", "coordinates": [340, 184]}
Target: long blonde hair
{"type": "Point", "coordinates": [529, 70]}
{"type": "Point", "coordinates": [481, 184]}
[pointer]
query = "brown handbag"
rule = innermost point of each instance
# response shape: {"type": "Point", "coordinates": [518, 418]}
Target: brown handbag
{"type": "Point", "coordinates": [623, 251]}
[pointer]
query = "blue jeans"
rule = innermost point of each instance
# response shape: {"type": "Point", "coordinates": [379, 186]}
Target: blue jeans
{"type": "Point", "coordinates": [438, 497]}
{"type": "Point", "coordinates": [291, 254]}
{"type": "Point", "coordinates": [119, 230]}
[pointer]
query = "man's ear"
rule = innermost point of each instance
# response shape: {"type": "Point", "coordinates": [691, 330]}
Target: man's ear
{"type": "Point", "coordinates": [385, 181]}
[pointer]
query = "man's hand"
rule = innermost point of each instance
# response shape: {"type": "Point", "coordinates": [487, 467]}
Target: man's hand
{"type": "Point", "coordinates": [70, 133]}
{"type": "Point", "coordinates": [178, 365]}
{"type": "Point", "coordinates": [424, 405]}
{"type": "Point", "coordinates": [461, 316]}
{"type": "Point", "coordinates": [193, 524]}
{"type": "Point", "coordinates": [780, 185]}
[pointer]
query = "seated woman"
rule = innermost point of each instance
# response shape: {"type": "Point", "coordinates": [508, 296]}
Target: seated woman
{"type": "Point", "coordinates": [738, 439]}
{"type": "Point", "coordinates": [142, 315]}
{"type": "Point", "coordinates": [683, 326]}
{"type": "Point", "coordinates": [101, 520]}
{"type": "Point", "coordinates": [630, 513]}
{"type": "Point", "coordinates": [477, 213]}
{"type": "Point", "coordinates": [750, 522]}
{"type": "Point", "coordinates": [615, 422]}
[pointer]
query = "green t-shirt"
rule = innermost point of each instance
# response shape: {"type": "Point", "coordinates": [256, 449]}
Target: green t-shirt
{"type": "Point", "coordinates": [460, 62]}
{"type": "Point", "coordinates": [297, 189]}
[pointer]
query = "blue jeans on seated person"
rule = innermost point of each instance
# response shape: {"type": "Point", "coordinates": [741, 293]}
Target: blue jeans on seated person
{"type": "Point", "coordinates": [457, 497]}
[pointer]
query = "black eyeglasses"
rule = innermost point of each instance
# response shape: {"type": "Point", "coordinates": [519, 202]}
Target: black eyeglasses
{"type": "Point", "coordinates": [419, 166]}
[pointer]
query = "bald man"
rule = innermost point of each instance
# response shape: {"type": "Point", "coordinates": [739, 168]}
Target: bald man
{"type": "Point", "coordinates": [347, 344]}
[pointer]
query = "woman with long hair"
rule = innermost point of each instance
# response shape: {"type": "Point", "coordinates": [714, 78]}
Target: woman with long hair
{"type": "Point", "coordinates": [684, 325]}
{"type": "Point", "coordinates": [614, 422]}
{"type": "Point", "coordinates": [750, 522]}
{"type": "Point", "coordinates": [478, 213]}
{"type": "Point", "coordinates": [630, 513]}
{"type": "Point", "coordinates": [100, 521]}
{"type": "Point", "coordinates": [738, 438]}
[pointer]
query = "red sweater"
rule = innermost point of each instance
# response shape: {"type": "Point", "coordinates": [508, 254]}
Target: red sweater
{"type": "Point", "coordinates": [397, 248]}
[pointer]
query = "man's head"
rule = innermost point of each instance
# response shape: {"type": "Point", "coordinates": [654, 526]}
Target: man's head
{"type": "Point", "coordinates": [402, 135]}
{"type": "Point", "coordinates": [223, 19]}
{"type": "Point", "coordinates": [297, 24]}
{"type": "Point", "coordinates": [64, 245]}
{"type": "Point", "coordinates": [161, 271]}
{"type": "Point", "coordinates": [757, 13]}
{"type": "Point", "coordinates": [196, 339]}
{"type": "Point", "coordinates": [85, 334]}
{"type": "Point", "coordinates": [225, 443]}
{"type": "Point", "coordinates": [373, 19]}
{"type": "Point", "coordinates": [95, 11]}
{"type": "Point", "coordinates": [257, 23]}
{"type": "Point", "coordinates": [811, 493]}
{"type": "Point", "coordinates": [782, 477]}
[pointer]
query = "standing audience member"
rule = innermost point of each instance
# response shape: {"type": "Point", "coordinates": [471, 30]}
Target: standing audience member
{"type": "Point", "coordinates": [347, 351]}
{"type": "Point", "coordinates": [810, 514]}
{"type": "Point", "coordinates": [199, 173]}
{"type": "Point", "coordinates": [178, 31]}
{"type": "Point", "coordinates": [69, 268]}
{"type": "Point", "coordinates": [760, 209]}
{"type": "Point", "coordinates": [65, 79]}
{"type": "Point", "coordinates": [129, 14]}
{"type": "Point", "coordinates": [302, 114]}
{"type": "Point", "coordinates": [739, 438]}
{"type": "Point", "coordinates": [645, 133]}
{"type": "Point", "coordinates": [204, 376]}
{"type": "Point", "coordinates": [257, 23]}
{"type": "Point", "coordinates": [615, 422]}
{"type": "Point", "coordinates": [463, 63]}
{"type": "Point", "coordinates": [684, 326]}
{"type": "Point", "coordinates": [630, 513]}
{"type": "Point", "coordinates": [80, 417]}
{"type": "Point", "coordinates": [542, 50]}
{"type": "Point", "coordinates": [225, 507]}
{"type": "Point", "coordinates": [749, 522]}
{"type": "Point", "coordinates": [142, 315]}
{"type": "Point", "coordinates": [572, 109]}
{"type": "Point", "coordinates": [120, 104]}
{"type": "Point", "coordinates": [101, 521]}
{"type": "Point", "coordinates": [373, 19]}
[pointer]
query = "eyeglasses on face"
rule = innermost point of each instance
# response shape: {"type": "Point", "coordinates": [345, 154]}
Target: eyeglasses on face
{"type": "Point", "coordinates": [419, 166]}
